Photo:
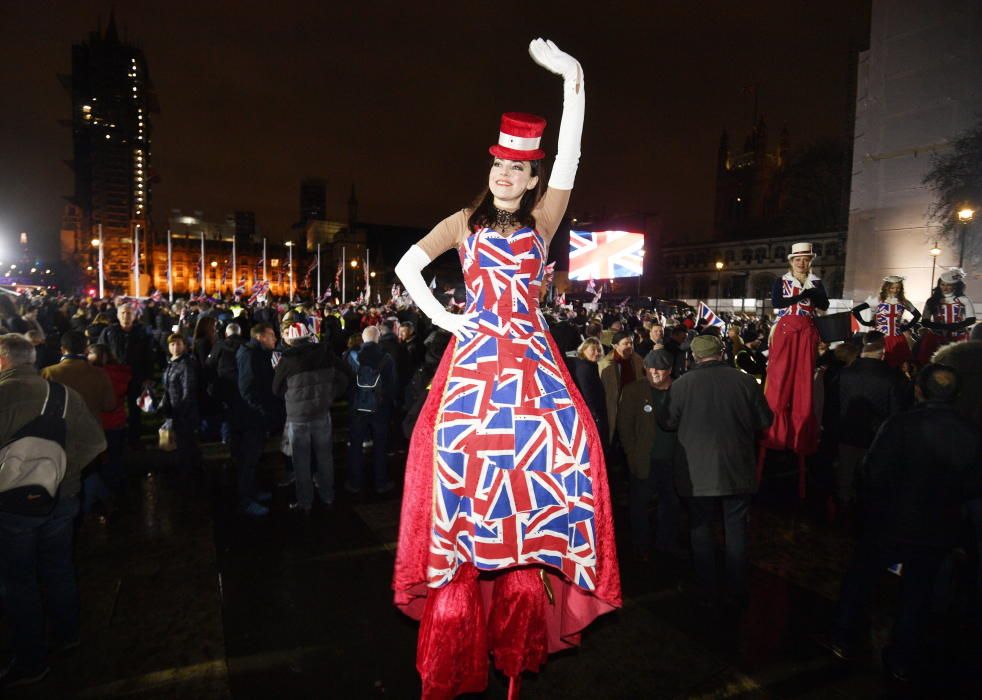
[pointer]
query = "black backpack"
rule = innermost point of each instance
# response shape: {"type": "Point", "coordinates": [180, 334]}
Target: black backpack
{"type": "Point", "coordinates": [368, 389]}
{"type": "Point", "coordinates": [33, 461]}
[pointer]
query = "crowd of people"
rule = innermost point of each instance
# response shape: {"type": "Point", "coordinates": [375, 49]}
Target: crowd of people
{"type": "Point", "coordinates": [678, 405]}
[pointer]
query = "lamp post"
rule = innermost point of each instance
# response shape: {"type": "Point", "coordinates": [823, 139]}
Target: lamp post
{"type": "Point", "coordinates": [965, 217]}
{"type": "Point", "coordinates": [719, 270]}
{"type": "Point", "coordinates": [934, 253]}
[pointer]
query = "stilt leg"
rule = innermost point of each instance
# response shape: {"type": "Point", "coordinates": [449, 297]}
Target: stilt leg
{"type": "Point", "coordinates": [802, 476]}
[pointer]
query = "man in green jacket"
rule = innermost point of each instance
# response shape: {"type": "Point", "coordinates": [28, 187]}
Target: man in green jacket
{"type": "Point", "coordinates": [37, 551]}
{"type": "Point", "coordinates": [652, 455]}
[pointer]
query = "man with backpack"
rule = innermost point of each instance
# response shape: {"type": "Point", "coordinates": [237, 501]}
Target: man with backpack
{"type": "Point", "coordinates": [373, 400]}
{"type": "Point", "coordinates": [44, 427]}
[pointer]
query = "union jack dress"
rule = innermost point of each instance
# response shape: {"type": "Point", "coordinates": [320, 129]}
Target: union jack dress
{"type": "Point", "coordinates": [513, 473]}
{"type": "Point", "coordinates": [505, 476]}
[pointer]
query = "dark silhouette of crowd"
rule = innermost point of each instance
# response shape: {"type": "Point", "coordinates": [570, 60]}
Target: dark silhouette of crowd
{"type": "Point", "coordinates": [678, 404]}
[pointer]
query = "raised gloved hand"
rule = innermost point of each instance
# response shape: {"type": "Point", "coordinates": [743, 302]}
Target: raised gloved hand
{"type": "Point", "coordinates": [550, 57]}
{"type": "Point", "coordinates": [409, 271]}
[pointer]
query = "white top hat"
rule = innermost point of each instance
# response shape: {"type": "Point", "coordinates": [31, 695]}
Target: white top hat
{"type": "Point", "coordinates": [801, 249]}
{"type": "Point", "coordinates": [953, 275]}
{"type": "Point", "coordinates": [893, 279]}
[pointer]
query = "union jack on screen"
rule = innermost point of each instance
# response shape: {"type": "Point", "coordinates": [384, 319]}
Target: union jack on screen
{"type": "Point", "coordinates": [605, 255]}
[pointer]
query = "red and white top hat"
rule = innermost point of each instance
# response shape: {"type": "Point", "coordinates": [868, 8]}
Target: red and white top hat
{"type": "Point", "coordinates": [519, 137]}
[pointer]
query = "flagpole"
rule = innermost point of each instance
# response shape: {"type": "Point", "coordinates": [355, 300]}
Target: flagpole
{"type": "Point", "coordinates": [170, 273]}
{"type": "Point", "coordinates": [264, 259]}
{"type": "Point", "coordinates": [102, 279]}
{"type": "Point", "coordinates": [136, 260]}
{"type": "Point", "coordinates": [202, 264]}
{"type": "Point", "coordinates": [344, 276]}
{"type": "Point", "coordinates": [368, 270]}
{"type": "Point", "coordinates": [318, 271]}
{"type": "Point", "coordinates": [289, 253]}
{"type": "Point", "coordinates": [235, 273]}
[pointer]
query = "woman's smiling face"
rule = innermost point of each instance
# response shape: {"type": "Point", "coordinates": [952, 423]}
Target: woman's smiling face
{"type": "Point", "coordinates": [509, 180]}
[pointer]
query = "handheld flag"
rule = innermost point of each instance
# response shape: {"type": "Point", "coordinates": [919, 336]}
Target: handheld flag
{"type": "Point", "coordinates": [706, 314]}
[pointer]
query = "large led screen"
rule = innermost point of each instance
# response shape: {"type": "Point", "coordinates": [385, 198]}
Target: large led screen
{"type": "Point", "coordinates": [604, 255]}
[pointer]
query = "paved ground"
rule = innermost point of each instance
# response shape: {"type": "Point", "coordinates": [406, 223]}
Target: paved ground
{"type": "Point", "coordinates": [184, 598]}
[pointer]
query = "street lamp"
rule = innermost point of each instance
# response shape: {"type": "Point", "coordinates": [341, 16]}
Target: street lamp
{"type": "Point", "coordinates": [354, 263]}
{"type": "Point", "coordinates": [719, 270]}
{"type": "Point", "coordinates": [934, 253]}
{"type": "Point", "coordinates": [95, 242]}
{"type": "Point", "coordinates": [965, 216]}
{"type": "Point", "coordinates": [372, 274]}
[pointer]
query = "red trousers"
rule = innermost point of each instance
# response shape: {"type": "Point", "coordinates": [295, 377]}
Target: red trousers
{"type": "Point", "coordinates": [790, 373]}
{"type": "Point", "coordinates": [456, 631]}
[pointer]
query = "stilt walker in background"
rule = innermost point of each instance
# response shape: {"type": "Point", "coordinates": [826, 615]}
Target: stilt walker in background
{"type": "Point", "coordinates": [948, 315]}
{"type": "Point", "coordinates": [506, 540]}
{"type": "Point", "coordinates": [886, 316]}
{"type": "Point", "coordinates": [797, 297]}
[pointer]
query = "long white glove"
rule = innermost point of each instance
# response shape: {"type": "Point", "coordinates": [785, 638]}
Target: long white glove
{"type": "Point", "coordinates": [409, 271]}
{"type": "Point", "coordinates": [548, 55]}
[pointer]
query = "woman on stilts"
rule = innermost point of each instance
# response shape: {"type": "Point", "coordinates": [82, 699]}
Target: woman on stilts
{"type": "Point", "coordinates": [797, 297]}
{"type": "Point", "coordinates": [506, 541]}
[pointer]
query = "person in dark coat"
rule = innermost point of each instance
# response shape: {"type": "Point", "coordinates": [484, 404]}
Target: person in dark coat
{"type": "Point", "coordinates": [180, 403]}
{"type": "Point", "coordinates": [870, 391]}
{"type": "Point", "coordinates": [677, 345]}
{"type": "Point", "coordinates": [389, 342]}
{"type": "Point", "coordinates": [225, 370]}
{"type": "Point", "coordinates": [309, 377]}
{"type": "Point", "coordinates": [913, 484]}
{"type": "Point", "coordinates": [586, 375]}
{"type": "Point", "coordinates": [130, 343]}
{"type": "Point", "coordinates": [372, 425]}
{"type": "Point", "coordinates": [415, 347]}
{"type": "Point", "coordinates": [419, 385]}
{"type": "Point", "coordinates": [718, 411]}
{"type": "Point", "coordinates": [653, 455]}
{"type": "Point", "coordinates": [566, 335]}
{"type": "Point", "coordinates": [258, 414]}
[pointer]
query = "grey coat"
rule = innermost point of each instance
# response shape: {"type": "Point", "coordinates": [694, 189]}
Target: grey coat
{"type": "Point", "coordinates": [717, 411]}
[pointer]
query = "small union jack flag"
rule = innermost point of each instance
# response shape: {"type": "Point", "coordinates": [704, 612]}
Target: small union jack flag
{"type": "Point", "coordinates": [706, 314]}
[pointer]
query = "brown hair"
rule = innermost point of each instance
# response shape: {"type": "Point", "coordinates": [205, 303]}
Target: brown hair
{"type": "Point", "coordinates": [174, 337]}
{"type": "Point", "coordinates": [206, 327]}
{"type": "Point", "coordinates": [900, 295]}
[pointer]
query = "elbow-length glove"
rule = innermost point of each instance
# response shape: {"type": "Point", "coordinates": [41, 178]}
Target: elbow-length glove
{"type": "Point", "coordinates": [548, 55]}
{"type": "Point", "coordinates": [409, 271]}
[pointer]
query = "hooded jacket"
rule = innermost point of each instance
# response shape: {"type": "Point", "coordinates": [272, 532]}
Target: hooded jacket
{"type": "Point", "coordinates": [180, 380]}
{"type": "Point", "coordinates": [222, 361]}
{"type": "Point", "coordinates": [309, 377]}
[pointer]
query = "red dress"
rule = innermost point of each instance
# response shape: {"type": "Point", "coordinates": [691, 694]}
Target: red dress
{"type": "Point", "coordinates": [506, 500]}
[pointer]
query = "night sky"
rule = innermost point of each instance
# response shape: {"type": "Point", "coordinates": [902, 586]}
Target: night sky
{"type": "Point", "coordinates": [403, 100]}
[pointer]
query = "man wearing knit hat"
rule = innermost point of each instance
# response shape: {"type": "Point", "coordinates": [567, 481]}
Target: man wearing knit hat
{"type": "Point", "coordinates": [652, 454]}
{"type": "Point", "coordinates": [717, 411]}
{"type": "Point", "coordinates": [619, 368]}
